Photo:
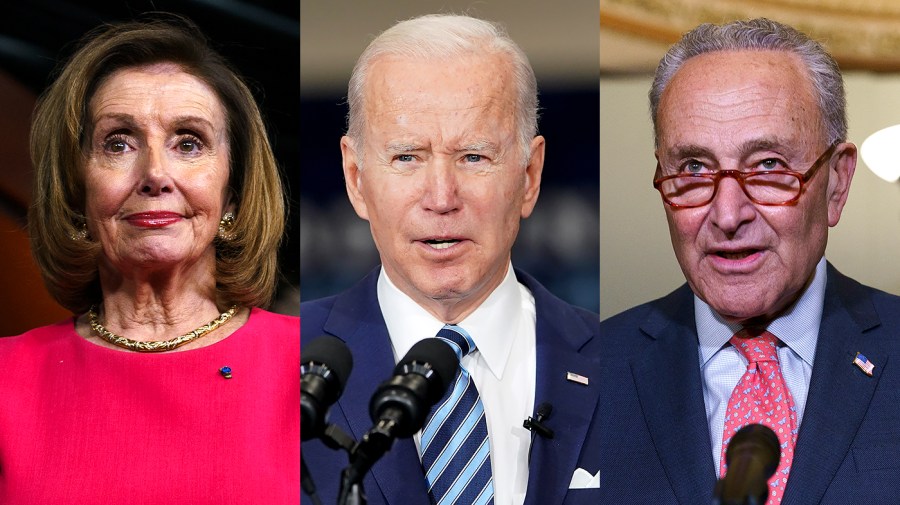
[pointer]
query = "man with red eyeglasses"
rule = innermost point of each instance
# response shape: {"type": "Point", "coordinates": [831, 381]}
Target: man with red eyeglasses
{"type": "Point", "coordinates": [753, 168]}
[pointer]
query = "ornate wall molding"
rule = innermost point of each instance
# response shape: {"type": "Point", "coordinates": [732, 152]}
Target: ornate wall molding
{"type": "Point", "coordinates": [861, 36]}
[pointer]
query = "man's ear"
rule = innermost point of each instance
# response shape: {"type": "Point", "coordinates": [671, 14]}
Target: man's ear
{"type": "Point", "coordinates": [533, 175]}
{"type": "Point", "coordinates": [353, 177]}
{"type": "Point", "coordinates": [840, 174]}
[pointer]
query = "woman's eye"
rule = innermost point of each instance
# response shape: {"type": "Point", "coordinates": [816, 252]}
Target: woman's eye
{"type": "Point", "coordinates": [189, 145]}
{"type": "Point", "coordinates": [115, 145]}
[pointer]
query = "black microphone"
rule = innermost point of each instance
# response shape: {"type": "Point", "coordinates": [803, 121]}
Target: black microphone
{"type": "Point", "coordinates": [536, 424]}
{"type": "Point", "coordinates": [325, 365]}
{"type": "Point", "coordinates": [401, 404]}
{"type": "Point", "coordinates": [752, 456]}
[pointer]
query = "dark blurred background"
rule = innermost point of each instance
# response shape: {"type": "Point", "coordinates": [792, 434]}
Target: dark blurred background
{"type": "Point", "coordinates": [559, 243]}
{"type": "Point", "coordinates": [259, 38]}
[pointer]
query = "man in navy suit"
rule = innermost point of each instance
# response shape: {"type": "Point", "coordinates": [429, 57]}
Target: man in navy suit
{"type": "Point", "coordinates": [443, 159]}
{"type": "Point", "coordinates": [753, 168]}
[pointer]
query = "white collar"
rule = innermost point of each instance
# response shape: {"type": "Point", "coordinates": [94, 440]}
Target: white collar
{"type": "Point", "coordinates": [489, 325]}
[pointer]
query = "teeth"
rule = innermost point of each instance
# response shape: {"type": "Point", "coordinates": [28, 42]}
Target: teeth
{"type": "Point", "coordinates": [441, 244]}
{"type": "Point", "coordinates": [734, 256]}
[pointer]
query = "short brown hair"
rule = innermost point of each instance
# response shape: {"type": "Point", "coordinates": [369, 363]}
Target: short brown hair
{"type": "Point", "coordinates": [246, 266]}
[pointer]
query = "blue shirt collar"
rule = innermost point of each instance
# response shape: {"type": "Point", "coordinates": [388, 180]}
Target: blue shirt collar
{"type": "Point", "coordinates": [797, 327]}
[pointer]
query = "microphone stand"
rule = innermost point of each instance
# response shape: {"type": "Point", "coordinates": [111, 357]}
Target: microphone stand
{"type": "Point", "coordinates": [306, 481]}
{"type": "Point", "coordinates": [352, 493]}
{"type": "Point", "coordinates": [362, 456]}
{"type": "Point", "coordinates": [333, 438]}
{"type": "Point", "coordinates": [399, 408]}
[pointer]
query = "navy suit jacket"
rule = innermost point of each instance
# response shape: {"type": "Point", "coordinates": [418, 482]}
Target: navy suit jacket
{"type": "Point", "coordinates": [566, 339]}
{"type": "Point", "coordinates": [655, 440]}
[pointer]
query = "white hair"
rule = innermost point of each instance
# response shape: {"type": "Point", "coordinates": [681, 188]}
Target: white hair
{"type": "Point", "coordinates": [444, 36]}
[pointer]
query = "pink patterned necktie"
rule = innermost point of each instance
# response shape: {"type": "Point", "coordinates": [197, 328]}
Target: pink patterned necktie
{"type": "Point", "coordinates": [762, 397]}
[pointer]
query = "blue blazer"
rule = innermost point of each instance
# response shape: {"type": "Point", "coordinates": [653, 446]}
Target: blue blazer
{"type": "Point", "coordinates": [656, 441]}
{"type": "Point", "coordinates": [566, 342]}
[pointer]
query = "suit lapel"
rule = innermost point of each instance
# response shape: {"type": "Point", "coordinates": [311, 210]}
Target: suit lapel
{"type": "Point", "coordinates": [356, 318]}
{"type": "Point", "coordinates": [553, 461]}
{"type": "Point", "coordinates": [560, 333]}
{"type": "Point", "coordinates": [669, 387]}
{"type": "Point", "coordinates": [839, 393]}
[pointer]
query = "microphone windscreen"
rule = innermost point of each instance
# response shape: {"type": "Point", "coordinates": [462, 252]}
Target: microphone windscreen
{"type": "Point", "coordinates": [760, 441]}
{"type": "Point", "coordinates": [436, 353]}
{"type": "Point", "coordinates": [334, 354]}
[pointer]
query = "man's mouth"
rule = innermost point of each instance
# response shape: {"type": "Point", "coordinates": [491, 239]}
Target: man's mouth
{"type": "Point", "coordinates": [441, 244]}
{"type": "Point", "coordinates": [736, 255]}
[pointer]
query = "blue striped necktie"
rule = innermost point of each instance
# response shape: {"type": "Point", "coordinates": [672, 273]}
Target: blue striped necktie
{"type": "Point", "coordinates": [456, 452]}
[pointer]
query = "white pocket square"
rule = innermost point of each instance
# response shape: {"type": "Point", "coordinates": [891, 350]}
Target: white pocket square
{"type": "Point", "coordinates": [582, 479]}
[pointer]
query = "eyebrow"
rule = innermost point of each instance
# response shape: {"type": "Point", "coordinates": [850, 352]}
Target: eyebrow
{"type": "Point", "coordinates": [131, 122]}
{"type": "Point", "coordinates": [90, 128]}
{"type": "Point", "coordinates": [479, 146]}
{"type": "Point", "coordinates": [408, 147]}
{"type": "Point", "coordinates": [181, 121]}
{"type": "Point", "coordinates": [689, 151]}
{"type": "Point", "coordinates": [746, 149]}
{"type": "Point", "coordinates": [402, 147]}
{"type": "Point", "coordinates": [128, 119]}
{"type": "Point", "coordinates": [764, 144]}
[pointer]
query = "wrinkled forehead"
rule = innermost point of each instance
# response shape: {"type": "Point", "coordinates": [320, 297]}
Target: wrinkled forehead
{"type": "Point", "coordinates": [737, 93]}
{"type": "Point", "coordinates": [449, 95]}
{"type": "Point", "coordinates": [468, 80]}
{"type": "Point", "coordinates": [168, 75]}
{"type": "Point", "coordinates": [167, 78]}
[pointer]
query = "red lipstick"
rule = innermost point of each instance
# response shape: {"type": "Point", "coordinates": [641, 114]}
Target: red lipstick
{"type": "Point", "coordinates": [153, 219]}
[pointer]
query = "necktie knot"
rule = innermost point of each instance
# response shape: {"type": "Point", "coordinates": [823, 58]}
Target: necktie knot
{"type": "Point", "coordinates": [458, 338]}
{"type": "Point", "coordinates": [755, 346]}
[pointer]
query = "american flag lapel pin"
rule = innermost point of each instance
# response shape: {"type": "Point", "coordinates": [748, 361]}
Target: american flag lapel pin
{"type": "Point", "coordinates": [574, 377]}
{"type": "Point", "coordinates": [864, 364]}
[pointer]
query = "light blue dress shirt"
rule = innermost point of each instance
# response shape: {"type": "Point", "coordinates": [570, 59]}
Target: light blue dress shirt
{"type": "Point", "coordinates": [721, 365]}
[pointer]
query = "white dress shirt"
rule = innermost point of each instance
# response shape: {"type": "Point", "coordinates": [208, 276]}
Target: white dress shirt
{"type": "Point", "coordinates": [503, 368]}
{"type": "Point", "coordinates": [721, 365]}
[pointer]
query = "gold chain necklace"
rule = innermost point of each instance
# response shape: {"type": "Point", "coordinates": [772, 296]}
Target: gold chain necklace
{"type": "Point", "coordinates": [157, 345]}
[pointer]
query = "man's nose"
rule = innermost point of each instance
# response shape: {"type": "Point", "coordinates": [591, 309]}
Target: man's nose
{"type": "Point", "coordinates": [441, 187]}
{"type": "Point", "coordinates": [731, 207]}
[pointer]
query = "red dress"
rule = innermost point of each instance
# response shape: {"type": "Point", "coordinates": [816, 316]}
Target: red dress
{"type": "Point", "coordinates": [84, 424]}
